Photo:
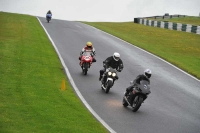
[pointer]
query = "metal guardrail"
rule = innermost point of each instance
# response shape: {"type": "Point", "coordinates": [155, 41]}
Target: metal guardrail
{"type": "Point", "coordinates": [165, 17]}
{"type": "Point", "coordinates": [136, 20]}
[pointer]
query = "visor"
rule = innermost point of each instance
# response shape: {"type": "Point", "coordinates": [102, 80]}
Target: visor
{"type": "Point", "coordinates": [148, 75]}
{"type": "Point", "coordinates": [116, 58]}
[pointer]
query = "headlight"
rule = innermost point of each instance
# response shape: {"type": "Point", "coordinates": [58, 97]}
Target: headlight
{"type": "Point", "coordinates": [109, 73]}
{"type": "Point", "coordinates": [114, 74]}
{"type": "Point", "coordinates": [87, 58]}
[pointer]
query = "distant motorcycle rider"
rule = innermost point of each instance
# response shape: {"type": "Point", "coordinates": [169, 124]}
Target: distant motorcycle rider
{"type": "Point", "coordinates": [88, 48]}
{"type": "Point", "coordinates": [49, 14]}
{"type": "Point", "coordinates": [146, 76]}
{"type": "Point", "coordinates": [113, 61]}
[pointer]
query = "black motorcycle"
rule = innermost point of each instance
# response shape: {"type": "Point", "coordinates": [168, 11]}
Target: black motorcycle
{"type": "Point", "coordinates": [137, 96]}
{"type": "Point", "coordinates": [111, 76]}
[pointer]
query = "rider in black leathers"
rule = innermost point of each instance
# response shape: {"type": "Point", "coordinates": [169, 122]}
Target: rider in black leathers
{"type": "Point", "coordinates": [113, 61]}
{"type": "Point", "coordinates": [146, 76]}
{"type": "Point", "coordinates": [49, 12]}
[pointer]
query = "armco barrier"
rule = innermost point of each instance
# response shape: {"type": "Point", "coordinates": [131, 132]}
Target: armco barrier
{"type": "Point", "coordinates": [169, 25]}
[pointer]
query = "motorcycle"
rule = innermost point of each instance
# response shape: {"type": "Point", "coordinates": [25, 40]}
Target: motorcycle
{"type": "Point", "coordinates": [86, 61]}
{"type": "Point", "coordinates": [137, 96]}
{"type": "Point", "coordinates": [111, 75]}
{"type": "Point", "coordinates": [48, 17]}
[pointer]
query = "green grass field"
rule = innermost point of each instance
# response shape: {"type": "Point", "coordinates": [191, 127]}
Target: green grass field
{"type": "Point", "coordinates": [180, 48]}
{"type": "Point", "coordinates": [30, 83]}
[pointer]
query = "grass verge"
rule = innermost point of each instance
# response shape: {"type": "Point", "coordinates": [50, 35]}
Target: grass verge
{"type": "Point", "coordinates": [30, 81]}
{"type": "Point", "coordinates": [180, 48]}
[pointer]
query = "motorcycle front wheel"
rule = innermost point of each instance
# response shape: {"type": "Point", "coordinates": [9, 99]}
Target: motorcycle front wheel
{"type": "Point", "coordinates": [138, 101]}
{"type": "Point", "coordinates": [108, 85]}
{"type": "Point", "coordinates": [85, 68]}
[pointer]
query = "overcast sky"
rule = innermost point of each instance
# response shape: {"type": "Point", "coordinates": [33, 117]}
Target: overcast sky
{"type": "Point", "coordinates": [101, 10]}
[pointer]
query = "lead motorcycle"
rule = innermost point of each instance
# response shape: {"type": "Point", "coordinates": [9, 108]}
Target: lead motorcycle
{"type": "Point", "coordinates": [86, 61]}
{"type": "Point", "coordinates": [137, 96]}
{"type": "Point", "coordinates": [48, 17]}
{"type": "Point", "coordinates": [111, 75]}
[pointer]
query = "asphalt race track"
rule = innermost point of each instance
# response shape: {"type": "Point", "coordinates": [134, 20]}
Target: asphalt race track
{"type": "Point", "coordinates": [172, 107]}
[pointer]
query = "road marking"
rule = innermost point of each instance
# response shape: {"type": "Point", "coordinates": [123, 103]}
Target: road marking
{"type": "Point", "coordinates": [74, 85]}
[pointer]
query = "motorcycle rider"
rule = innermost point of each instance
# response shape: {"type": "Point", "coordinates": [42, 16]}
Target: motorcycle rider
{"type": "Point", "coordinates": [146, 76]}
{"type": "Point", "coordinates": [113, 61]}
{"type": "Point", "coordinates": [88, 48]}
{"type": "Point", "coordinates": [49, 12]}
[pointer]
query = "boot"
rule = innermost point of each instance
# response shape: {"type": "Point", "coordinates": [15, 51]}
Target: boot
{"type": "Point", "coordinates": [126, 94]}
{"type": "Point", "coordinates": [94, 60]}
{"type": "Point", "coordinates": [104, 79]}
{"type": "Point", "coordinates": [130, 100]}
{"type": "Point", "coordinates": [100, 77]}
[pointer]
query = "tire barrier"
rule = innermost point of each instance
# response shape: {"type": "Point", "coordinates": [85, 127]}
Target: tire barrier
{"type": "Point", "coordinates": [169, 25]}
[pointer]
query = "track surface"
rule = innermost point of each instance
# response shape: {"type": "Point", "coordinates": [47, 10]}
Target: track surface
{"type": "Point", "coordinates": [172, 107]}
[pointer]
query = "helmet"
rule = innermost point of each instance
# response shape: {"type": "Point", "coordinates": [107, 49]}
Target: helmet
{"type": "Point", "coordinates": [116, 56]}
{"type": "Point", "coordinates": [89, 44]}
{"type": "Point", "coordinates": [147, 73]}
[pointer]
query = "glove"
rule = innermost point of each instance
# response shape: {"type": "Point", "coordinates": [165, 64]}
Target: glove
{"type": "Point", "coordinates": [105, 66]}
{"type": "Point", "coordinates": [92, 54]}
{"type": "Point", "coordinates": [117, 77]}
{"type": "Point", "coordinates": [119, 70]}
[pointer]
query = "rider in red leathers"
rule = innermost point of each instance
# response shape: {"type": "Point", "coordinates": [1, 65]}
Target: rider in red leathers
{"type": "Point", "coordinates": [88, 48]}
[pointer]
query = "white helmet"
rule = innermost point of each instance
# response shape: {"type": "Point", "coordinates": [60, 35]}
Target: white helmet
{"type": "Point", "coordinates": [147, 73]}
{"type": "Point", "coordinates": [116, 56]}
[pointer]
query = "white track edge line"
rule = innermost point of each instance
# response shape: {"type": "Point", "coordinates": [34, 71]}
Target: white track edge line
{"type": "Point", "coordinates": [148, 53]}
{"type": "Point", "coordinates": [74, 85]}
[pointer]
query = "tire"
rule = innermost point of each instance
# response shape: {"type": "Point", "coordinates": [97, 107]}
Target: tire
{"type": "Point", "coordinates": [85, 65]}
{"type": "Point", "coordinates": [85, 72]}
{"type": "Point", "coordinates": [108, 86]}
{"type": "Point", "coordinates": [138, 103]}
{"type": "Point", "coordinates": [125, 104]}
